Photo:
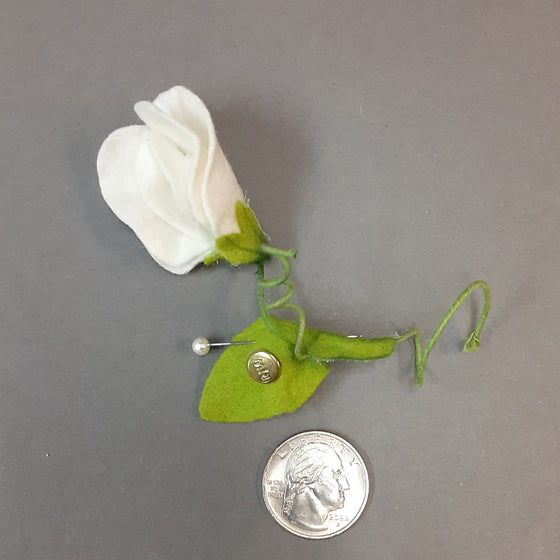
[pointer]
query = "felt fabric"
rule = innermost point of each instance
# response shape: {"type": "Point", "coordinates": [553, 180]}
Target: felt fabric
{"type": "Point", "coordinates": [326, 346]}
{"type": "Point", "coordinates": [231, 395]}
{"type": "Point", "coordinates": [170, 181]}
{"type": "Point", "coordinates": [242, 247]}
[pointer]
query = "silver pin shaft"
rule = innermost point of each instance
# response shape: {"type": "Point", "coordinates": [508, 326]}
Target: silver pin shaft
{"type": "Point", "coordinates": [201, 346]}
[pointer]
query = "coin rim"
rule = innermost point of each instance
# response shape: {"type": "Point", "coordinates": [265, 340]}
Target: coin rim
{"type": "Point", "coordinates": [362, 506]}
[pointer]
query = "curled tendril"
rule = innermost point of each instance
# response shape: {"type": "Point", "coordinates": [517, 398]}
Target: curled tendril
{"type": "Point", "coordinates": [473, 341]}
{"type": "Point", "coordinates": [281, 303]}
{"type": "Point", "coordinates": [421, 357]}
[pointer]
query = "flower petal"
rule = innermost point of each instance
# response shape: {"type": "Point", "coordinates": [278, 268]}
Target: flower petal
{"type": "Point", "coordinates": [215, 189]}
{"type": "Point", "coordinates": [123, 168]}
{"type": "Point", "coordinates": [220, 193]}
{"type": "Point", "coordinates": [168, 168]}
{"type": "Point", "coordinates": [183, 158]}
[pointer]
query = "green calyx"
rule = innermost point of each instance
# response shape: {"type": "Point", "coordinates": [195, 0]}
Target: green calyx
{"type": "Point", "coordinates": [242, 247]}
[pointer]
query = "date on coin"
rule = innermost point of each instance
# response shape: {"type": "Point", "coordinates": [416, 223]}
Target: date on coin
{"type": "Point", "coordinates": [315, 485]}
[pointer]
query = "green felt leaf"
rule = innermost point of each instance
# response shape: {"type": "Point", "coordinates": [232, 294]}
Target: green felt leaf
{"type": "Point", "coordinates": [327, 346]}
{"type": "Point", "coordinates": [230, 395]}
{"type": "Point", "coordinates": [243, 247]}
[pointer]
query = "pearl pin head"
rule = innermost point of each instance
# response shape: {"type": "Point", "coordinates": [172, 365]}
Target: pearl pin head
{"type": "Point", "coordinates": [201, 346]}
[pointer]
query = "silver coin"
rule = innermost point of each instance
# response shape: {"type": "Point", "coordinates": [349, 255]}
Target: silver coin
{"type": "Point", "coordinates": [315, 485]}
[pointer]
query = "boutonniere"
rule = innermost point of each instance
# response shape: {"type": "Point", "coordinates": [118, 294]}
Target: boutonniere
{"type": "Point", "coordinates": [168, 179]}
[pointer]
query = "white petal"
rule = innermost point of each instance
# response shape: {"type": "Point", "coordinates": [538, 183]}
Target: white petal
{"type": "Point", "coordinates": [187, 109]}
{"type": "Point", "coordinates": [220, 194]}
{"type": "Point", "coordinates": [155, 185]}
{"type": "Point", "coordinates": [123, 169]}
{"type": "Point", "coordinates": [181, 158]}
{"type": "Point", "coordinates": [215, 189]}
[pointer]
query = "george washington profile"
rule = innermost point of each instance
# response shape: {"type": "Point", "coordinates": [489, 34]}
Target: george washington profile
{"type": "Point", "coordinates": [314, 485]}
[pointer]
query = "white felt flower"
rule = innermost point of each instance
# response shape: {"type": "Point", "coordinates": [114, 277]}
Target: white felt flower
{"type": "Point", "coordinates": [169, 180]}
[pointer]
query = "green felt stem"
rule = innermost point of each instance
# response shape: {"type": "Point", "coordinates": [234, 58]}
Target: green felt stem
{"type": "Point", "coordinates": [473, 342]}
{"type": "Point", "coordinates": [289, 253]}
{"type": "Point", "coordinates": [260, 297]}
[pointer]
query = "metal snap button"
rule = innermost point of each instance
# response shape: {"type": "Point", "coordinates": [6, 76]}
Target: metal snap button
{"type": "Point", "coordinates": [263, 367]}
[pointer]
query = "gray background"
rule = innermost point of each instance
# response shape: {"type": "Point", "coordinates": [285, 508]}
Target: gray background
{"type": "Point", "coordinates": [406, 149]}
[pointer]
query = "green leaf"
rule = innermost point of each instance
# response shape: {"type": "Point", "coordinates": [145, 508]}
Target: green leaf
{"type": "Point", "coordinates": [327, 346]}
{"type": "Point", "coordinates": [230, 395]}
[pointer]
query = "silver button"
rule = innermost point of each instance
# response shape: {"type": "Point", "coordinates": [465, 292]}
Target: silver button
{"type": "Point", "coordinates": [263, 367]}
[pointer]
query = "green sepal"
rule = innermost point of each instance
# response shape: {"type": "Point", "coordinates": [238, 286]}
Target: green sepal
{"type": "Point", "coordinates": [212, 257]}
{"type": "Point", "coordinates": [243, 247]}
{"type": "Point", "coordinates": [231, 395]}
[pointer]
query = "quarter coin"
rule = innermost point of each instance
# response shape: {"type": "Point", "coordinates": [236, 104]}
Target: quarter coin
{"type": "Point", "coordinates": [315, 485]}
